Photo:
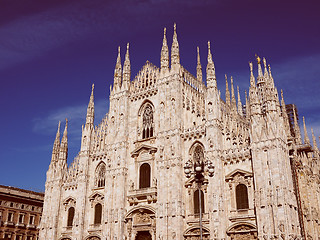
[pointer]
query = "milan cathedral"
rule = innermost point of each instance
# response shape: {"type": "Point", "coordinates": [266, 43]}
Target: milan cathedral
{"type": "Point", "coordinates": [128, 180]}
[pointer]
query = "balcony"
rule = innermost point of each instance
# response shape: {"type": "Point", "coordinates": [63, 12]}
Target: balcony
{"type": "Point", "coordinates": [8, 224]}
{"type": "Point", "coordinates": [22, 225]}
{"type": "Point", "coordinates": [31, 226]}
{"type": "Point", "coordinates": [148, 195]}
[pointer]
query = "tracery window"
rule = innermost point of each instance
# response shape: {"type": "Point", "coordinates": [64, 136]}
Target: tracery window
{"type": "Point", "coordinates": [145, 176]}
{"type": "Point", "coordinates": [97, 213]}
{"type": "Point", "coordinates": [242, 197]}
{"type": "Point", "coordinates": [198, 155]}
{"type": "Point", "coordinates": [147, 122]}
{"type": "Point", "coordinates": [196, 202]}
{"type": "Point", "coordinates": [70, 216]}
{"type": "Point", "coordinates": [100, 178]}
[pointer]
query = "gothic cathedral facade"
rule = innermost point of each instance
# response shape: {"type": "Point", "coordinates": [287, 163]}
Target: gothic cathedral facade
{"type": "Point", "coordinates": [128, 180]}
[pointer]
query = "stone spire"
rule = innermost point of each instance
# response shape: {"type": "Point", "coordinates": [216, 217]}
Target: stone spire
{"type": "Point", "coordinates": [56, 145]}
{"type": "Point", "coordinates": [247, 105]}
{"type": "Point", "coordinates": [117, 73]}
{"type": "Point", "coordinates": [296, 127]}
{"type": "Point", "coordinates": [64, 143]}
{"type": "Point", "coordinates": [270, 76]}
{"type": "Point", "coordinates": [306, 137]}
{"type": "Point", "coordinates": [199, 68]}
{"type": "Point", "coordinates": [239, 103]}
{"type": "Point", "coordinates": [314, 142]}
{"type": "Point", "coordinates": [285, 115]}
{"type": "Point", "coordinates": [164, 59]}
{"type": "Point", "coordinates": [233, 98]}
{"type": "Point", "coordinates": [255, 107]}
{"type": "Point", "coordinates": [211, 73]}
{"type": "Point", "coordinates": [90, 110]}
{"type": "Point", "coordinates": [252, 80]}
{"type": "Point", "coordinates": [259, 67]}
{"type": "Point", "coordinates": [175, 55]}
{"type": "Point", "coordinates": [126, 70]}
{"type": "Point", "coordinates": [227, 91]}
{"type": "Point", "coordinates": [266, 74]}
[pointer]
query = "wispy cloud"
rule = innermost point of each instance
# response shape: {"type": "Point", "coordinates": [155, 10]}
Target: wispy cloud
{"type": "Point", "coordinates": [76, 117]}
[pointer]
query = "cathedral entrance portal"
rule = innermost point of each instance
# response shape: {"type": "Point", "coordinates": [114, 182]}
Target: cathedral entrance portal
{"type": "Point", "coordinates": [143, 235]}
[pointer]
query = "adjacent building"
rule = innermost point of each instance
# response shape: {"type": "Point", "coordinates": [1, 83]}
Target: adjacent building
{"type": "Point", "coordinates": [20, 213]}
{"type": "Point", "coordinates": [128, 180]}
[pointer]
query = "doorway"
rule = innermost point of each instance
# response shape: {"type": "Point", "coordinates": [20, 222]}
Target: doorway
{"type": "Point", "coordinates": [143, 235]}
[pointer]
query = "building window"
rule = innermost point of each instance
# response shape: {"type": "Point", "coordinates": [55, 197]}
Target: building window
{"type": "Point", "coordinates": [10, 217]}
{"type": "Point", "coordinates": [242, 197]}
{"type": "Point", "coordinates": [70, 216]}
{"type": "Point", "coordinates": [21, 218]}
{"type": "Point", "coordinates": [145, 172]}
{"type": "Point", "coordinates": [147, 122]}
{"type": "Point", "coordinates": [97, 213]}
{"type": "Point", "coordinates": [196, 202]}
{"type": "Point", "coordinates": [100, 180]}
{"type": "Point", "coordinates": [31, 220]}
{"type": "Point", "coordinates": [18, 237]}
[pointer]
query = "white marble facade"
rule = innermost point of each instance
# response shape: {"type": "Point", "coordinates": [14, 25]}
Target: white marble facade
{"type": "Point", "coordinates": [128, 181]}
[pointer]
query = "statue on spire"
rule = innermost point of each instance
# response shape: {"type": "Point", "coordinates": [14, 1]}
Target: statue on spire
{"type": "Point", "coordinates": [199, 68]}
{"type": "Point", "coordinates": [175, 55]}
{"type": "Point", "coordinates": [211, 73]}
{"type": "Point", "coordinates": [164, 58]}
{"type": "Point", "coordinates": [117, 72]}
{"type": "Point", "coordinates": [126, 70]}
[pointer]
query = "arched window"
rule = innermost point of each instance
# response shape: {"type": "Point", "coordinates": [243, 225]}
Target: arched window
{"type": "Point", "coordinates": [100, 178]}
{"type": "Point", "coordinates": [97, 213]}
{"type": "Point", "coordinates": [145, 172]}
{"type": "Point", "coordinates": [147, 122]}
{"type": "Point", "coordinates": [196, 202]}
{"type": "Point", "coordinates": [242, 197]}
{"type": "Point", "coordinates": [70, 216]}
{"type": "Point", "coordinates": [198, 155]}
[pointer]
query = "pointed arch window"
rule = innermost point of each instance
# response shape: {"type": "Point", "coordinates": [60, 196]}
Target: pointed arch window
{"type": "Point", "coordinates": [145, 176]}
{"type": "Point", "coordinates": [242, 197]}
{"type": "Point", "coordinates": [100, 178]}
{"type": "Point", "coordinates": [147, 122]}
{"type": "Point", "coordinates": [70, 216]}
{"type": "Point", "coordinates": [196, 202]}
{"type": "Point", "coordinates": [97, 213]}
{"type": "Point", "coordinates": [198, 155]}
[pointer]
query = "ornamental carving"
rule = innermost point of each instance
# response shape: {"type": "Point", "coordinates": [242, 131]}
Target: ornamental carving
{"type": "Point", "coordinates": [194, 234]}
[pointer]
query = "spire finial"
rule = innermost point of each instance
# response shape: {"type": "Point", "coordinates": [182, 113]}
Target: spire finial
{"type": "Point", "coordinates": [259, 66]}
{"type": "Point", "coordinates": [239, 102]}
{"type": "Point", "coordinates": [117, 72]}
{"type": "Point", "coordinates": [296, 127]}
{"type": "Point", "coordinates": [227, 91]}
{"type": "Point", "coordinates": [233, 98]}
{"type": "Point", "coordinates": [126, 70]}
{"type": "Point", "coordinates": [211, 73]}
{"type": "Point", "coordinates": [175, 55]}
{"type": "Point", "coordinates": [314, 142]}
{"type": "Point", "coordinates": [58, 131]}
{"type": "Point", "coordinates": [199, 68]}
{"type": "Point", "coordinates": [306, 137]}
{"type": "Point", "coordinates": [64, 137]}
{"type": "Point", "coordinates": [90, 109]}
{"type": "Point", "coordinates": [258, 59]}
{"type": "Point", "coordinates": [164, 58]}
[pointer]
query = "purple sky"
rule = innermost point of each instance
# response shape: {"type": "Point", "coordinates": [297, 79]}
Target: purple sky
{"type": "Point", "coordinates": [52, 51]}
